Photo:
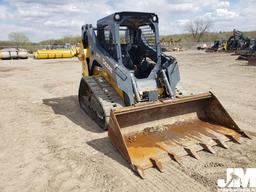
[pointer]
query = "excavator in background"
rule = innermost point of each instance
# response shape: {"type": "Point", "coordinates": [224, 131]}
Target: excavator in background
{"type": "Point", "coordinates": [243, 46]}
{"type": "Point", "coordinates": [236, 42]}
{"type": "Point", "coordinates": [248, 52]}
{"type": "Point", "coordinates": [129, 88]}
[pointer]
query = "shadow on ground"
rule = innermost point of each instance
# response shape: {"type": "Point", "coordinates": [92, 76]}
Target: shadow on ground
{"type": "Point", "coordinates": [69, 107]}
{"type": "Point", "coordinates": [104, 146]}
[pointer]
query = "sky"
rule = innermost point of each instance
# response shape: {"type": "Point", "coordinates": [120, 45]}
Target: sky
{"type": "Point", "coordinates": [45, 19]}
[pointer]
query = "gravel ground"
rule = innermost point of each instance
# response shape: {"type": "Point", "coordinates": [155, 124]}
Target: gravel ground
{"type": "Point", "coordinates": [48, 144]}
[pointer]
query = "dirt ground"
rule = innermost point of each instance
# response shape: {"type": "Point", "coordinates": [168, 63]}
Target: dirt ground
{"type": "Point", "coordinates": [48, 144]}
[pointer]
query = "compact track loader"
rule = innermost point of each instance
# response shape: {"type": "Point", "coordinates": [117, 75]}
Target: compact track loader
{"type": "Point", "coordinates": [129, 87]}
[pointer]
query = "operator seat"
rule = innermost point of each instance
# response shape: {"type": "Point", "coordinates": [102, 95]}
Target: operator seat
{"type": "Point", "coordinates": [126, 58]}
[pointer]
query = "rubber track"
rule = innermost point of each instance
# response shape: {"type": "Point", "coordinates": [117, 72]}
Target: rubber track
{"type": "Point", "coordinates": [105, 94]}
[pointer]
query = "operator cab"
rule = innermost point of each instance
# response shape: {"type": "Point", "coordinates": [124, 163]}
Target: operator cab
{"type": "Point", "coordinates": [134, 49]}
{"type": "Point", "coordinates": [135, 46]}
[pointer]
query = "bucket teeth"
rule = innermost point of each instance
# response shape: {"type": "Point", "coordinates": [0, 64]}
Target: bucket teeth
{"type": "Point", "coordinates": [233, 138]}
{"type": "Point", "coordinates": [175, 157]}
{"type": "Point", "coordinates": [140, 172]}
{"type": "Point", "coordinates": [157, 163]}
{"type": "Point", "coordinates": [221, 143]}
{"type": "Point", "coordinates": [191, 152]}
{"type": "Point", "coordinates": [246, 135]}
{"type": "Point", "coordinates": [207, 148]}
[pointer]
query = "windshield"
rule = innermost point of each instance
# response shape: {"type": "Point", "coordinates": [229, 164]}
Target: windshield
{"type": "Point", "coordinates": [138, 48]}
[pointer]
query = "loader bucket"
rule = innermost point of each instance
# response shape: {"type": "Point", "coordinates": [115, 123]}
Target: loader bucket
{"type": "Point", "coordinates": [148, 135]}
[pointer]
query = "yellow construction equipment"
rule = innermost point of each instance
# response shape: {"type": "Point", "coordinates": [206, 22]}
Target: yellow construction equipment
{"type": "Point", "coordinates": [57, 53]}
{"type": "Point", "coordinates": [129, 87]}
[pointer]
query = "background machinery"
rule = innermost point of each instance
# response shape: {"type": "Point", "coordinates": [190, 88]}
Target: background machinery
{"type": "Point", "coordinates": [217, 46]}
{"type": "Point", "coordinates": [129, 87]}
{"type": "Point", "coordinates": [57, 51]}
{"type": "Point", "coordinates": [243, 46]}
{"type": "Point", "coordinates": [235, 42]}
{"type": "Point", "coordinates": [248, 52]}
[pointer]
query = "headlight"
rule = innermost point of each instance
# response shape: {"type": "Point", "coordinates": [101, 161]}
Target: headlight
{"type": "Point", "coordinates": [154, 18]}
{"type": "Point", "coordinates": [117, 17]}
